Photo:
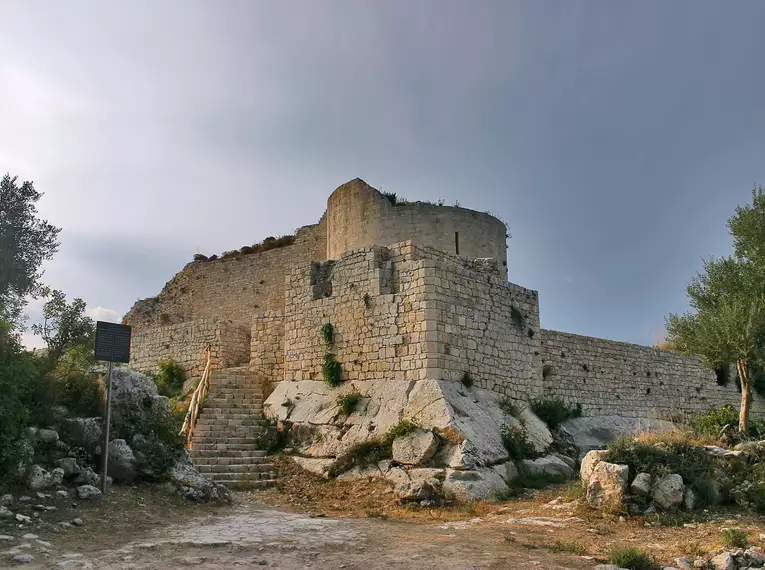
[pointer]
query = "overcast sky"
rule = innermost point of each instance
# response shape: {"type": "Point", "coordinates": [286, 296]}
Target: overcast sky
{"type": "Point", "coordinates": [615, 138]}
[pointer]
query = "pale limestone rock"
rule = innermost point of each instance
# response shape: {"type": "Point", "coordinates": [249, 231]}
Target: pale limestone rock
{"type": "Point", "coordinates": [415, 448]}
{"type": "Point", "coordinates": [57, 476]}
{"type": "Point", "coordinates": [69, 465]}
{"type": "Point", "coordinates": [508, 471]}
{"type": "Point", "coordinates": [121, 461]}
{"type": "Point", "coordinates": [360, 472]}
{"type": "Point", "coordinates": [38, 478]}
{"type": "Point", "coordinates": [5, 512]}
{"type": "Point", "coordinates": [723, 561]}
{"type": "Point", "coordinates": [47, 436]}
{"type": "Point", "coordinates": [607, 485]}
{"type": "Point", "coordinates": [689, 499]}
{"type": "Point", "coordinates": [474, 485]}
{"type": "Point", "coordinates": [547, 466]}
{"type": "Point", "coordinates": [641, 485]}
{"type": "Point", "coordinates": [683, 564]}
{"type": "Point", "coordinates": [668, 491]}
{"type": "Point", "coordinates": [424, 484]}
{"type": "Point", "coordinates": [589, 462]}
{"type": "Point", "coordinates": [313, 465]}
{"type": "Point", "coordinates": [88, 492]}
{"type": "Point", "coordinates": [536, 430]}
{"type": "Point", "coordinates": [589, 433]}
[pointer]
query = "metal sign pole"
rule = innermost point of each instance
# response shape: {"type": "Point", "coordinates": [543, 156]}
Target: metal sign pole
{"type": "Point", "coordinates": [107, 424]}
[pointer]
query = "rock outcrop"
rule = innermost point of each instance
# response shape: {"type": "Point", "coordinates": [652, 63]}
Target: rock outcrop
{"type": "Point", "coordinates": [459, 430]}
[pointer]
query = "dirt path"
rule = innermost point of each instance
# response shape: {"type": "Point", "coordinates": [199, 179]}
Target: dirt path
{"type": "Point", "coordinates": [252, 534]}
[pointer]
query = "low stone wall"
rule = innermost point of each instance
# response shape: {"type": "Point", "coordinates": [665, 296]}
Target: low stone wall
{"type": "Point", "coordinates": [616, 378]}
{"type": "Point", "coordinates": [186, 342]}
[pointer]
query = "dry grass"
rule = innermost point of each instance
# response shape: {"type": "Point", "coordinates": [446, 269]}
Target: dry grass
{"type": "Point", "coordinates": [594, 533]}
{"type": "Point", "coordinates": [674, 437]}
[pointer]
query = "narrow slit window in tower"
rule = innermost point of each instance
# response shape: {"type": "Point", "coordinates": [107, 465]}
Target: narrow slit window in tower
{"type": "Point", "coordinates": [457, 242]}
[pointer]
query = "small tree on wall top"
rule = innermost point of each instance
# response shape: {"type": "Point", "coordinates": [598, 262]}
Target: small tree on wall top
{"type": "Point", "coordinates": [728, 301]}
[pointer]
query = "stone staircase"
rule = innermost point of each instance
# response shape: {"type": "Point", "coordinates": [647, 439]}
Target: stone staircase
{"type": "Point", "coordinates": [225, 445]}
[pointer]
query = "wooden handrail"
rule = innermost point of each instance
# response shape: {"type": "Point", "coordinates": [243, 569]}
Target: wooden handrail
{"type": "Point", "coordinates": [197, 400]}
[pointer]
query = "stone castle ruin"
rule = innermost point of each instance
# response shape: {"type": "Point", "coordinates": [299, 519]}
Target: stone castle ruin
{"type": "Point", "coordinates": [411, 306]}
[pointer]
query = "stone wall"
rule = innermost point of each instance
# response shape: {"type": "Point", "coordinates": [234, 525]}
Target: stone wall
{"type": "Point", "coordinates": [483, 327]}
{"type": "Point", "coordinates": [378, 334]}
{"type": "Point", "coordinates": [616, 378]}
{"type": "Point", "coordinates": [267, 345]}
{"type": "Point", "coordinates": [236, 288]}
{"type": "Point", "coordinates": [186, 342]}
{"type": "Point", "coordinates": [358, 216]}
{"type": "Point", "coordinates": [409, 312]}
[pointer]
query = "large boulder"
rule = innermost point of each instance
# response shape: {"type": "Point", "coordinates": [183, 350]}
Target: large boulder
{"type": "Point", "coordinates": [588, 433]}
{"type": "Point", "coordinates": [38, 478]}
{"type": "Point", "coordinates": [589, 462]}
{"type": "Point", "coordinates": [191, 484]}
{"type": "Point", "coordinates": [47, 436]}
{"type": "Point", "coordinates": [474, 485]}
{"type": "Point", "coordinates": [88, 493]}
{"type": "Point", "coordinates": [415, 448]}
{"type": "Point", "coordinates": [136, 402]}
{"type": "Point", "coordinates": [422, 484]}
{"type": "Point", "coordinates": [121, 464]}
{"type": "Point", "coordinates": [641, 485]}
{"type": "Point", "coordinates": [669, 491]}
{"type": "Point", "coordinates": [82, 432]}
{"type": "Point", "coordinates": [549, 466]}
{"type": "Point", "coordinates": [69, 466]}
{"type": "Point", "coordinates": [607, 485]}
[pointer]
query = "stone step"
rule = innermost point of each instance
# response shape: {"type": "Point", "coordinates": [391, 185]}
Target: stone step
{"type": "Point", "coordinates": [227, 421]}
{"type": "Point", "coordinates": [233, 442]}
{"type": "Point", "coordinates": [251, 469]}
{"type": "Point", "coordinates": [234, 414]}
{"type": "Point", "coordinates": [243, 484]}
{"type": "Point", "coordinates": [223, 453]}
{"type": "Point", "coordinates": [254, 462]}
{"type": "Point", "coordinates": [224, 446]}
{"type": "Point", "coordinates": [217, 429]}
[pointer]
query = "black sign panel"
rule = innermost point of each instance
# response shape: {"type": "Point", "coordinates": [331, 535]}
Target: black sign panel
{"type": "Point", "coordinates": [112, 342]}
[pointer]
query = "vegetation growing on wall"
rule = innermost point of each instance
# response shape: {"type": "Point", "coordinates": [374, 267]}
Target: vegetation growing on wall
{"type": "Point", "coordinates": [348, 403]}
{"type": "Point", "coordinates": [330, 370]}
{"type": "Point", "coordinates": [266, 245]}
{"type": "Point", "coordinates": [328, 334]}
{"type": "Point", "coordinates": [554, 411]}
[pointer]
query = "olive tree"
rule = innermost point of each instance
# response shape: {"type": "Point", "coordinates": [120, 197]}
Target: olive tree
{"type": "Point", "coordinates": [727, 298]}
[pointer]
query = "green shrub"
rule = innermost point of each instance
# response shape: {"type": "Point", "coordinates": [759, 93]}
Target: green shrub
{"type": "Point", "coordinates": [467, 380]}
{"type": "Point", "coordinates": [631, 558]}
{"type": "Point", "coordinates": [711, 423]}
{"type": "Point", "coordinates": [367, 300]}
{"type": "Point", "coordinates": [510, 407]}
{"type": "Point", "coordinates": [735, 538]}
{"type": "Point", "coordinates": [673, 455]}
{"type": "Point", "coordinates": [390, 197]}
{"type": "Point", "coordinates": [402, 428]}
{"type": "Point", "coordinates": [554, 411]}
{"type": "Point", "coordinates": [170, 378]}
{"type": "Point", "coordinates": [82, 394]}
{"type": "Point", "coordinates": [750, 493]}
{"type": "Point", "coordinates": [330, 370]}
{"type": "Point", "coordinates": [347, 403]}
{"type": "Point", "coordinates": [517, 443]}
{"type": "Point", "coordinates": [16, 369]}
{"type": "Point", "coordinates": [328, 333]}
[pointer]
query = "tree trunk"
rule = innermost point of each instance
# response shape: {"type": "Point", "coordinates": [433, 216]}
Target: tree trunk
{"type": "Point", "coordinates": [746, 396]}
